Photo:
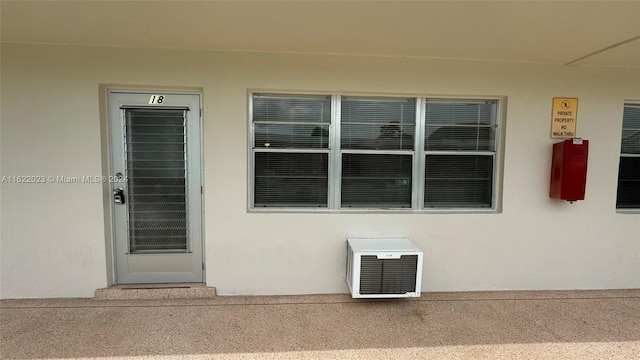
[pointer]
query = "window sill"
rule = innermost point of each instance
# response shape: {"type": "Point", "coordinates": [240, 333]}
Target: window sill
{"type": "Point", "coordinates": [628, 211]}
{"type": "Point", "coordinates": [372, 211]}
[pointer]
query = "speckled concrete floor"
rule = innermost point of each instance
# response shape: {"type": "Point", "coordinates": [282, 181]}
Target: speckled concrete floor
{"type": "Point", "coordinates": [480, 325]}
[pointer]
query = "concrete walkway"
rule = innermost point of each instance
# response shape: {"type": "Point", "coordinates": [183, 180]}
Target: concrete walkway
{"type": "Point", "coordinates": [478, 325]}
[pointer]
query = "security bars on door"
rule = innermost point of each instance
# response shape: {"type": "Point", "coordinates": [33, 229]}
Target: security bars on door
{"type": "Point", "coordinates": [156, 158]}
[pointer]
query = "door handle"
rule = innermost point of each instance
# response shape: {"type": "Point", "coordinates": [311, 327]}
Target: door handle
{"type": "Point", "coordinates": [118, 196]}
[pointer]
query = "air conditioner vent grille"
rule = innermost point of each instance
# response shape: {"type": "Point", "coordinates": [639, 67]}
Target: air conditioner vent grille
{"type": "Point", "coordinates": [388, 276]}
{"type": "Point", "coordinates": [383, 268]}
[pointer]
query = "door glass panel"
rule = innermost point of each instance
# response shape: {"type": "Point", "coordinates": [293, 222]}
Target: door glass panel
{"type": "Point", "coordinates": [156, 158]}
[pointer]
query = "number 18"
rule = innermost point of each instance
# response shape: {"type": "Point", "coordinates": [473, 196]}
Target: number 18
{"type": "Point", "coordinates": [156, 99]}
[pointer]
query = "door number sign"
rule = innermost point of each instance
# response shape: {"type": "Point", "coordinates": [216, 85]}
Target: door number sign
{"type": "Point", "coordinates": [156, 99]}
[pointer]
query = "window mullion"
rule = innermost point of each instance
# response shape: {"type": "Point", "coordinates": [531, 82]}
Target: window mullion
{"type": "Point", "coordinates": [494, 183]}
{"type": "Point", "coordinates": [252, 158]}
{"type": "Point", "coordinates": [419, 157]}
{"type": "Point", "coordinates": [335, 158]}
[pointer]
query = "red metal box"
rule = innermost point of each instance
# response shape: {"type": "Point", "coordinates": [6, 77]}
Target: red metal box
{"type": "Point", "coordinates": [569, 169]}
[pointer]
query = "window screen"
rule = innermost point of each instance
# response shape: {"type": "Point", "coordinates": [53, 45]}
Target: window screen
{"type": "Point", "coordinates": [629, 168]}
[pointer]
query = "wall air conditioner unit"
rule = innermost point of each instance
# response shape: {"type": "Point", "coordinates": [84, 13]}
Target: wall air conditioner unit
{"type": "Point", "coordinates": [383, 268]}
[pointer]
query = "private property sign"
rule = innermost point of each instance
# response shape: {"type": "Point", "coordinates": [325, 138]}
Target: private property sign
{"type": "Point", "coordinates": [564, 117]}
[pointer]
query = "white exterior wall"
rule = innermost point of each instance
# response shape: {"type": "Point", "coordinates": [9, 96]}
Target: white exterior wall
{"type": "Point", "coordinates": [53, 241]}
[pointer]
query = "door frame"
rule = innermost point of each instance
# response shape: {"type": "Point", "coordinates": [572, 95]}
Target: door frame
{"type": "Point", "coordinates": [198, 250]}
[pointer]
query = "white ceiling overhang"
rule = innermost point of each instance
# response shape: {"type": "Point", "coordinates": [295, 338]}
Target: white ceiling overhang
{"type": "Point", "coordinates": [577, 33]}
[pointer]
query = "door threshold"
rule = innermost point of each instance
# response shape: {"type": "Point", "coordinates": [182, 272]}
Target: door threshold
{"type": "Point", "coordinates": [156, 291]}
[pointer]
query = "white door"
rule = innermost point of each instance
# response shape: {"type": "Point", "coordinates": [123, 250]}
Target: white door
{"type": "Point", "coordinates": [156, 158]}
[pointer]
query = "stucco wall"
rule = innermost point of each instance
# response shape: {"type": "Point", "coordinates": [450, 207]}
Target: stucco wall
{"type": "Point", "coordinates": [53, 235]}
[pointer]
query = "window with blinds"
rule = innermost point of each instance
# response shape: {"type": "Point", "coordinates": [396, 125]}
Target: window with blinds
{"type": "Point", "coordinates": [290, 150]}
{"type": "Point", "coordinates": [377, 141]}
{"type": "Point", "coordinates": [459, 153]}
{"type": "Point", "coordinates": [355, 152]}
{"type": "Point", "coordinates": [629, 168]}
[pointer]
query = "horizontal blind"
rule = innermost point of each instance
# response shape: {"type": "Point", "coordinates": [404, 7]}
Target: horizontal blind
{"type": "Point", "coordinates": [382, 130]}
{"type": "Point", "coordinates": [291, 108]}
{"type": "Point", "coordinates": [458, 180]}
{"type": "Point", "coordinates": [377, 124]}
{"type": "Point", "coordinates": [629, 183]}
{"type": "Point", "coordinates": [285, 179]}
{"type": "Point", "coordinates": [460, 145]}
{"type": "Point", "coordinates": [631, 130]}
{"type": "Point", "coordinates": [459, 126]}
{"type": "Point", "coordinates": [628, 195]}
{"type": "Point", "coordinates": [376, 180]}
{"type": "Point", "coordinates": [290, 150]}
{"type": "Point", "coordinates": [155, 152]}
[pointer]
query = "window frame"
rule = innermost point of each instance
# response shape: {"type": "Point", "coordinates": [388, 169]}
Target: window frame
{"type": "Point", "coordinates": [418, 154]}
{"type": "Point", "coordinates": [340, 151]}
{"type": "Point", "coordinates": [495, 154]}
{"type": "Point", "coordinates": [253, 151]}
{"type": "Point", "coordinates": [635, 209]}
